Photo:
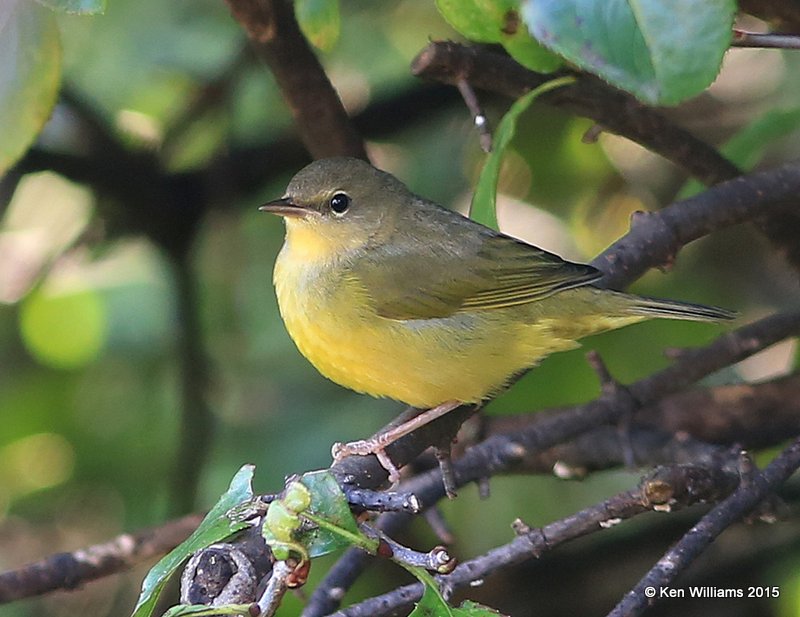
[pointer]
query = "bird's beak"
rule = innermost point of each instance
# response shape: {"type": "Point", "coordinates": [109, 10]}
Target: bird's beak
{"type": "Point", "coordinates": [286, 207]}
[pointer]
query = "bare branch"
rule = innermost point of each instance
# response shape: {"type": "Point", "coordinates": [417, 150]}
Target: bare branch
{"type": "Point", "coordinates": [319, 115]}
{"type": "Point", "coordinates": [656, 237]}
{"type": "Point", "coordinates": [754, 415]}
{"type": "Point", "coordinates": [71, 570]}
{"type": "Point", "coordinates": [767, 40]}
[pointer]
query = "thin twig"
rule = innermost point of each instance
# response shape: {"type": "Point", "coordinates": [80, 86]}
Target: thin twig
{"type": "Point", "coordinates": [478, 115]}
{"type": "Point", "coordinates": [276, 588]}
{"type": "Point", "coordinates": [766, 40]}
{"type": "Point", "coordinates": [382, 501]}
{"type": "Point", "coordinates": [436, 560]}
{"type": "Point", "coordinates": [754, 415]}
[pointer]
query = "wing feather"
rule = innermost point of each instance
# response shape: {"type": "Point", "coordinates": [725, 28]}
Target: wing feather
{"type": "Point", "coordinates": [446, 268]}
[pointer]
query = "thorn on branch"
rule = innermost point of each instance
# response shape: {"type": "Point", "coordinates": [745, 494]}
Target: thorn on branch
{"type": "Point", "coordinates": [747, 469]}
{"type": "Point", "coordinates": [434, 518]}
{"type": "Point", "coordinates": [592, 134]}
{"type": "Point", "coordinates": [608, 384]}
{"type": "Point", "coordinates": [445, 461]}
{"type": "Point", "coordinates": [478, 115]}
{"type": "Point", "coordinates": [520, 527]}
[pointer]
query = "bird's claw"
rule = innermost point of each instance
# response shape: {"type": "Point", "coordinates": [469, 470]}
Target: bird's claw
{"type": "Point", "coordinates": [365, 447]}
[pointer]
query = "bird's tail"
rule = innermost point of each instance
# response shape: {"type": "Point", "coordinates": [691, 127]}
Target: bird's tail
{"type": "Point", "coordinates": [670, 309]}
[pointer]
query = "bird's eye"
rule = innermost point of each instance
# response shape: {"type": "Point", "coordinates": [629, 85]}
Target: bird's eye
{"type": "Point", "coordinates": [340, 202]}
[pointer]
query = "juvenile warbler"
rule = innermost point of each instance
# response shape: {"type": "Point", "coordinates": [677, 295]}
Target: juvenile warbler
{"type": "Point", "coordinates": [390, 294]}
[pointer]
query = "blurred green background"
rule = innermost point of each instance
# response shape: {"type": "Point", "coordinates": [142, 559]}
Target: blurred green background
{"type": "Point", "coordinates": [90, 393]}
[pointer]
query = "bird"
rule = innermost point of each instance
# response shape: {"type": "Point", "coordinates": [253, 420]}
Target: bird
{"type": "Point", "coordinates": [390, 294]}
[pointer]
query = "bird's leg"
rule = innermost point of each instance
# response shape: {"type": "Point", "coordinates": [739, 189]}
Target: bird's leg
{"type": "Point", "coordinates": [377, 444]}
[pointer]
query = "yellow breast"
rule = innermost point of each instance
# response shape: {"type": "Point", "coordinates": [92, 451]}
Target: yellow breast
{"type": "Point", "coordinates": [465, 357]}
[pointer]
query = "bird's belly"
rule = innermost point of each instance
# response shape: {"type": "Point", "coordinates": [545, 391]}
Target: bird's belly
{"type": "Point", "coordinates": [465, 357]}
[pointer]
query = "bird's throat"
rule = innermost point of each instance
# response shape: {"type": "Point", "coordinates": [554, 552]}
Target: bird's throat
{"type": "Point", "coordinates": [306, 244]}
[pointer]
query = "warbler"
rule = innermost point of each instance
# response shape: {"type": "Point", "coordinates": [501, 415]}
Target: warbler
{"type": "Point", "coordinates": [390, 294]}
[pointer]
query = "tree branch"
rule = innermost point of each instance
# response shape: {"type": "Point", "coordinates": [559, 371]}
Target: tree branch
{"type": "Point", "coordinates": [768, 40]}
{"type": "Point", "coordinates": [497, 454]}
{"type": "Point", "coordinates": [753, 416]}
{"type": "Point", "coordinates": [319, 115]}
{"type": "Point", "coordinates": [71, 570]}
{"type": "Point", "coordinates": [656, 237]}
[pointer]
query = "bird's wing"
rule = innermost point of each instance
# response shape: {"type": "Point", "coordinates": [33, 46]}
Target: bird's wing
{"type": "Point", "coordinates": [472, 268]}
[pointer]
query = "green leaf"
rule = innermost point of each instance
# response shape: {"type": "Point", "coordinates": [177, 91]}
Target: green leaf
{"type": "Point", "coordinates": [320, 21]}
{"type": "Point", "coordinates": [662, 51]}
{"type": "Point", "coordinates": [432, 604]}
{"type": "Point", "coordinates": [76, 7]}
{"type": "Point", "coordinates": [30, 73]}
{"type": "Point", "coordinates": [483, 201]}
{"type": "Point", "coordinates": [498, 21]}
{"type": "Point", "coordinates": [469, 608]}
{"type": "Point", "coordinates": [328, 503]}
{"type": "Point", "coordinates": [202, 610]}
{"type": "Point", "coordinates": [529, 53]}
{"type": "Point", "coordinates": [478, 20]}
{"type": "Point", "coordinates": [747, 146]}
{"type": "Point", "coordinates": [216, 526]}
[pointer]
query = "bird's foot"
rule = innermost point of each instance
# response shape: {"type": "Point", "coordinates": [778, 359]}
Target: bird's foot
{"type": "Point", "coordinates": [377, 444]}
{"type": "Point", "coordinates": [364, 447]}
